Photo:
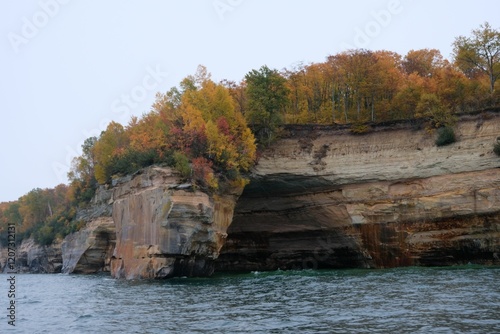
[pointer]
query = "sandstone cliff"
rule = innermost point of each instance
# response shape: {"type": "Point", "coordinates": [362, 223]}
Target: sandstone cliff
{"type": "Point", "coordinates": [89, 250]}
{"type": "Point", "coordinates": [165, 228]}
{"type": "Point", "coordinates": [36, 259]}
{"type": "Point", "coordinates": [150, 225]}
{"type": "Point", "coordinates": [86, 251]}
{"type": "Point", "coordinates": [319, 198]}
{"type": "Point", "coordinates": [325, 198]}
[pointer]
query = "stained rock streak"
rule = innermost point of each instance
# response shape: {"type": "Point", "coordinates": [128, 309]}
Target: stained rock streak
{"type": "Point", "coordinates": [165, 230]}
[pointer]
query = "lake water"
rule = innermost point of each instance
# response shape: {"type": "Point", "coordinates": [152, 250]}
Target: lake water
{"type": "Point", "coordinates": [404, 300]}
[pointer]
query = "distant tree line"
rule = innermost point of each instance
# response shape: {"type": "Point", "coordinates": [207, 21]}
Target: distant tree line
{"type": "Point", "coordinates": [362, 85]}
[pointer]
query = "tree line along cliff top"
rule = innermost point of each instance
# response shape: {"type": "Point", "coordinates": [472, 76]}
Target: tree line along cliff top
{"type": "Point", "coordinates": [210, 131]}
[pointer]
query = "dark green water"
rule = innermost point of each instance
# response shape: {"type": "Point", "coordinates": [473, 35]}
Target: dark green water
{"type": "Point", "coordinates": [405, 300]}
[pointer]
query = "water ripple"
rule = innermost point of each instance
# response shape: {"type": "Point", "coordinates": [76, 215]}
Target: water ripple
{"type": "Point", "coordinates": [405, 300]}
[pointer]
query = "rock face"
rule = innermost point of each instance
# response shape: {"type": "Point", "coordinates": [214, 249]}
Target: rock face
{"type": "Point", "coordinates": [165, 228]}
{"type": "Point", "coordinates": [150, 225]}
{"type": "Point", "coordinates": [36, 259]}
{"type": "Point", "coordinates": [325, 198]}
{"type": "Point", "coordinates": [319, 198]}
{"type": "Point", "coordinates": [89, 250]}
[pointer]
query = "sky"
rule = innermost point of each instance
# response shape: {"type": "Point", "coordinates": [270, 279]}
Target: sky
{"type": "Point", "coordinates": [69, 67]}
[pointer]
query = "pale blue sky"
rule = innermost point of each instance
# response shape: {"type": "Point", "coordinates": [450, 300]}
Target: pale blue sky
{"type": "Point", "coordinates": [70, 66]}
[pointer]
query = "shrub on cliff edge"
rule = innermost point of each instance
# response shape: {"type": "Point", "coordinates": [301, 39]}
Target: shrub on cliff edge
{"type": "Point", "coordinates": [446, 136]}
{"type": "Point", "coordinates": [496, 147]}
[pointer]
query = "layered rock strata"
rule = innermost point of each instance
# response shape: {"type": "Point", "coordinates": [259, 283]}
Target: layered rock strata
{"type": "Point", "coordinates": [89, 250]}
{"type": "Point", "coordinates": [325, 198]}
{"type": "Point", "coordinates": [319, 198]}
{"type": "Point", "coordinates": [150, 225]}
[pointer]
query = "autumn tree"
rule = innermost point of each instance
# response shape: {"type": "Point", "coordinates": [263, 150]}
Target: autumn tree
{"type": "Point", "coordinates": [318, 93]}
{"type": "Point", "coordinates": [431, 108]}
{"type": "Point", "coordinates": [364, 83]}
{"type": "Point", "coordinates": [456, 91]}
{"type": "Point", "coordinates": [9, 214]}
{"type": "Point", "coordinates": [196, 128]}
{"type": "Point", "coordinates": [388, 79]}
{"type": "Point", "coordinates": [479, 53]}
{"type": "Point", "coordinates": [423, 62]}
{"type": "Point", "coordinates": [82, 173]}
{"type": "Point", "coordinates": [168, 102]}
{"type": "Point", "coordinates": [218, 132]}
{"type": "Point", "coordinates": [238, 93]}
{"type": "Point", "coordinates": [342, 90]}
{"type": "Point", "coordinates": [297, 108]}
{"type": "Point", "coordinates": [34, 208]}
{"type": "Point", "coordinates": [309, 96]}
{"type": "Point", "coordinates": [267, 96]}
{"type": "Point", "coordinates": [361, 72]}
{"type": "Point", "coordinates": [111, 144]}
{"type": "Point", "coordinates": [45, 214]}
{"type": "Point", "coordinates": [148, 134]}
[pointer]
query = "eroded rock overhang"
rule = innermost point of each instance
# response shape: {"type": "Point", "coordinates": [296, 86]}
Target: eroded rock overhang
{"type": "Point", "coordinates": [323, 198]}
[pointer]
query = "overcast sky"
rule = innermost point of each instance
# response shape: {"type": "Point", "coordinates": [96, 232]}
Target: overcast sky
{"type": "Point", "coordinates": [70, 66]}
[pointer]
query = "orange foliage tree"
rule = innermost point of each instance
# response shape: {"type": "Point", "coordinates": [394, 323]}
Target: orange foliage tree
{"type": "Point", "coordinates": [198, 128]}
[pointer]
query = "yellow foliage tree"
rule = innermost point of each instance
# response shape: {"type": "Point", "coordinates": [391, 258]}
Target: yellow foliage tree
{"type": "Point", "coordinates": [147, 134]}
{"type": "Point", "coordinates": [111, 144]}
{"type": "Point", "coordinates": [211, 109]}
